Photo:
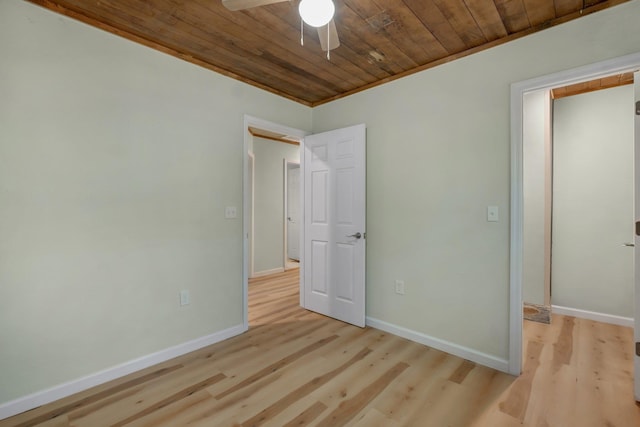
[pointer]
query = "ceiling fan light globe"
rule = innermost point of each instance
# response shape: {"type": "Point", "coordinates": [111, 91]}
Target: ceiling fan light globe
{"type": "Point", "coordinates": [316, 13]}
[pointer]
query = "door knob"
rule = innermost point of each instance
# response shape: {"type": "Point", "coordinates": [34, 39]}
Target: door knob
{"type": "Point", "coordinates": [356, 236]}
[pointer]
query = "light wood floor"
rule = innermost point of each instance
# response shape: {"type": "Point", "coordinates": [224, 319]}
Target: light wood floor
{"type": "Point", "coordinates": [296, 368]}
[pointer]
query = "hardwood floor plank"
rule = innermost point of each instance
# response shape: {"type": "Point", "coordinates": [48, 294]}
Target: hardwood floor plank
{"type": "Point", "coordinates": [113, 411]}
{"type": "Point", "coordinates": [372, 418]}
{"type": "Point", "coordinates": [176, 397]}
{"type": "Point", "coordinates": [463, 370]}
{"type": "Point", "coordinates": [171, 414]}
{"type": "Point", "coordinates": [267, 370]}
{"type": "Point", "coordinates": [439, 401]}
{"type": "Point", "coordinates": [414, 386]}
{"type": "Point", "coordinates": [297, 368]}
{"type": "Point", "coordinates": [359, 376]}
{"type": "Point", "coordinates": [350, 407]}
{"type": "Point", "coordinates": [563, 347]}
{"type": "Point", "coordinates": [303, 391]}
{"type": "Point", "coordinates": [60, 410]}
{"type": "Point", "coordinates": [518, 398]}
{"type": "Point", "coordinates": [308, 416]}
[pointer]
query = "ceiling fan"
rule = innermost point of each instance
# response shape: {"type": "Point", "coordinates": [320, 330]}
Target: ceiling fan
{"type": "Point", "coordinates": [315, 13]}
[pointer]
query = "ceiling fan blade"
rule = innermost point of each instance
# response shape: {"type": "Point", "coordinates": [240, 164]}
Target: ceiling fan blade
{"type": "Point", "coordinates": [333, 40]}
{"type": "Point", "coordinates": [247, 4]}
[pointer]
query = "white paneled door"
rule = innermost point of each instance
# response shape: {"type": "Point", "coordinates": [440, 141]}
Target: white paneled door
{"type": "Point", "coordinates": [637, 238]}
{"type": "Point", "coordinates": [334, 224]}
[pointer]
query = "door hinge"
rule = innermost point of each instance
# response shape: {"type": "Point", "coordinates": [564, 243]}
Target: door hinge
{"type": "Point", "coordinates": [638, 349]}
{"type": "Point", "coordinates": [637, 108]}
{"type": "Point", "coordinates": [637, 228]}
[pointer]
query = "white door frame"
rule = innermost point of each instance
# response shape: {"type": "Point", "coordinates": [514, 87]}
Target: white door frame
{"type": "Point", "coordinates": [250, 121]}
{"type": "Point", "coordinates": [286, 210]}
{"type": "Point", "coordinates": [589, 72]}
{"type": "Point", "coordinates": [250, 200]}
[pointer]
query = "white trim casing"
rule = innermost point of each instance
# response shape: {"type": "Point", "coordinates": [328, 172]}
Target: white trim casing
{"type": "Point", "coordinates": [593, 315]}
{"type": "Point", "coordinates": [589, 72]}
{"type": "Point", "coordinates": [285, 255]}
{"type": "Point", "coordinates": [60, 391]}
{"type": "Point", "coordinates": [250, 121]}
{"type": "Point", "coordinates": [268, 272]}
{"type": "Point", "coordinates": [285, 231]}
{"type": "Point", "coordinates": [251, 171]}
{"type": "Point", "coordinates": [442, 345]}
{"type": "Point", "coordinates": [302, 222]}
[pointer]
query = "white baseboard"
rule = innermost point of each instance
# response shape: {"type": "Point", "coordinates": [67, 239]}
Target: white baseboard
{"type": "Point", "coordinates": [267, 272]}
{"type": "Point", "coordinates": [43, 397]}
{"type": "Point", "coordinates": [593, 315]}
{"type": "Point", "coordinates": [446, 346]}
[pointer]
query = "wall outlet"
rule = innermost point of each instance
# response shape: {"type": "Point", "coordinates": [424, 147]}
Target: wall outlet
{"type": "Point", "coordinates": [400, 287]}
{"type": "Point", "coordinates": [185, 298]}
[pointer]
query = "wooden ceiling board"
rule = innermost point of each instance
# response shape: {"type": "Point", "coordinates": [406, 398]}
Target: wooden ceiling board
{"type": "Point", "coordinates": [540, 11]}
{"type": "Point", "coordinates": [564, 7]}
{"type": "Point", "coordinates": [404, 29]}
{"type": "Point", "coordinates": [408, 27]}
{"type": "Point", "coordinates": [514, 15]}
{"type": "Point", "coordinates": [434, 20]}
{"type": "Point", "coordinates": [353, 19]}
{"type": "Point", "coordinates": [489, 19]}
{"type": "Point", "coordinates": [380, 40]}
{"type": "Point", "coordinates": [458, 15]}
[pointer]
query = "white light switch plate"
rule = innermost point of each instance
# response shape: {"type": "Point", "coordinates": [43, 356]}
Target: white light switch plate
{"type": "Point", "coordinates": [185, 298]}
{"type": "Point", "coordinates": [492, 214]}
{"type": "Point", "coordinates": [400, 287]}
{"type": "Point", "coordinates": [230, 212]}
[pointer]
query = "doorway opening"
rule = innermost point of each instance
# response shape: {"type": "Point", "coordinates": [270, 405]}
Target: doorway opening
{"type": "Point", "coordinates": [519, 90]}
{"type": "Point", "coordinates": [292, 205]}
{"type": "Point", "coordinates": [578, 201]}
{"type": "Point", "coordinates": [268, 150]}
{"type": "Point", "coordinates": [274, 166]}
{"type": "Point", "coordinates": [332, 188]}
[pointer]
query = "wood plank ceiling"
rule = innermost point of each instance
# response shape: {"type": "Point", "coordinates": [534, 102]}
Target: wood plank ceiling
{"type": "Point", "coordinates": [381, 40]}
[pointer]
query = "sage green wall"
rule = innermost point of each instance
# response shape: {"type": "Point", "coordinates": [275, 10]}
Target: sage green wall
{"type": "Point", "coordinates": [116, 163]}
{"type": "Point", "coordinates": [269, 201]}
{"type": "Point", "coordinates": [438, 150]}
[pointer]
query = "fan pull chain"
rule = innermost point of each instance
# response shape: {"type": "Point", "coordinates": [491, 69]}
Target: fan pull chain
{"type": "Point", "coordinates": [301, 32]}
{"type": "Point", "coordinates": [328, 42]}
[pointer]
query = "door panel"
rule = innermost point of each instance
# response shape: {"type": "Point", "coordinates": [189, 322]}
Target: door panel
{"type": "Point", "coordinates": [345, 265]}
{"type": "Point", "coordinates": [318, 268]}
{"type": "Point", "coordinates": [334, 225]}
{"type": "Point", "coordinates": [319, 188]}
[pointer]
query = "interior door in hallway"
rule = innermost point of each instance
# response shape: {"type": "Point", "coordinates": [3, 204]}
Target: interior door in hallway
{"type": "Point", "coordinates": [333, 263]}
